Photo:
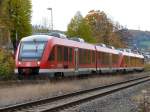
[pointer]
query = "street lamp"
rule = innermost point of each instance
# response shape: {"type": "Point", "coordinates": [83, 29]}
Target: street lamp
{"type": "Point", "coordinates": [51, 17]}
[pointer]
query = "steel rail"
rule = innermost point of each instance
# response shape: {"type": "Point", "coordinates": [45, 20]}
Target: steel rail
{"type": "Point", "coordinates": [74, 94]}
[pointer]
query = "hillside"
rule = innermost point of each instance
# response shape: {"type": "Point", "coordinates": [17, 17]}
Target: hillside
{"type": "Point", "coordinates": [136, 38]}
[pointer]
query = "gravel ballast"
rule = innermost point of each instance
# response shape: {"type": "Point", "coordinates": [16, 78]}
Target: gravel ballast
{"type": "Point", "coordinates": [123, 101]}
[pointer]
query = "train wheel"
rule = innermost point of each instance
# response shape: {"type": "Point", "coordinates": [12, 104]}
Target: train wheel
{"type": "Point", "coordinates": [20, 74]}
{"type": "Point", "coordinates": [20, 77]}
{"type": "Point", "coordinates": [59, 75]}
{"type": "Point", "coordinates": [93, 72]}
{"type": "Point", "coordinates": [35, 71]}
{"type": "Point", "coordinates": [100, 72]}
{"type": "Point", "coordinates": [124, 71]}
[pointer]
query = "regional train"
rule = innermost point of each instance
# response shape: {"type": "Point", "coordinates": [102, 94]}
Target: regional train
{"type": "Point", "coordinates": [53, 56]}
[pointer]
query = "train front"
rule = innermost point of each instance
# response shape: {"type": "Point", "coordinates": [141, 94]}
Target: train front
{"type": "Point", "coordinates": [29, 55]}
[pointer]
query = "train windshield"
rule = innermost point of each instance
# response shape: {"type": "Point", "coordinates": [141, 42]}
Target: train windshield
{"type": "Point", "coordinates": [31, 50]}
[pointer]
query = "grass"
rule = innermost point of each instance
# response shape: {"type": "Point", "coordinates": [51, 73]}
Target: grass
{"type": "Point", "coordinates": [15, 94]}
{"type": "Point", "coordinates": [147, 67]}
{"type": "Point", "coordinates": [27, 92]}
{"type": "Point", "coordinates": [21, 93]}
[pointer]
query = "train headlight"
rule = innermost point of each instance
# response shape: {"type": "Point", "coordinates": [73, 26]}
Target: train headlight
{"type": "Point", "coordinates": [19, 63]}
{"type": "Point", "coordinates": [38, 62]}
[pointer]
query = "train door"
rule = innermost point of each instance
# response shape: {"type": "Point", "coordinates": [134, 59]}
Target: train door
{"type": "Point", "coordinates": [76, 59]}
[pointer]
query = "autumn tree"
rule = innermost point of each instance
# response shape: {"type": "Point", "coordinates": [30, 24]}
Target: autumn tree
{"type": "Point", "coordinates": [17, 17]}
{"type": "Point", "coordinates": [79, 27]}
{"type": "Point", "coordinates": [103, 28]}
{"type": "Point", "coordinates": [98, 22]}
{"type": "Point", "coordinates": [1, 7]}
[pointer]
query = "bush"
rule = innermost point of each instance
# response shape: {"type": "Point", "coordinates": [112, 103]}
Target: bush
{"type": "Point", "coordinates": [147, 67]}
{"type": "Point", "coordinates": [144, 102]}
{"type": "Point", "coordinates": [7, 65]}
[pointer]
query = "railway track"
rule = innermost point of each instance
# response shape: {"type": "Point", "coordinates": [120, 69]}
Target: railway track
{"type": "Point", "coordinates": [75, 98]}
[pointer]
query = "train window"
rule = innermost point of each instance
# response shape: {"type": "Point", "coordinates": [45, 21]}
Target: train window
{"type": "Point", "coordinates": [65, 54]}
{"type": "Point", "coordinates": [59, 53]}
{"type": "Point", "coordinates": [102, 58]}
{"type": "Point", "coordinates": [126, 60]}
{"type": "Point", "coordinates": [84, 56]}
{"type": "Point", "coordinates": [52, 55]}
{"type": "Point", "coordinates": [99, 58]}
{"type": "Point", "coordinates": [129, 60]}
{"type": "Point", "coordinates": [80, 56]}
{"type": "Point", "coordinates": [31, 50]}
{"type": "Point", "coordinates": [93, 57]}
{"type": "Point", "coordinates": [113, 58]}
{"type": "Point", "coordinates": [70, 54]}
{"type": "Point", "coordinates": [105, 57]}
{"type": "Point", "coordinates": [88, 57]}
{"type": "Point", "coordinates": [132, 61]}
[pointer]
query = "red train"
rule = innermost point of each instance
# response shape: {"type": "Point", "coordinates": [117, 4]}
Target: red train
{"type": "Point", "coordinates": [53, 56]}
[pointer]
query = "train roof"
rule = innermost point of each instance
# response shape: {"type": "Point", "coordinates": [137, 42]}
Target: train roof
{"type": "Point", "coordinates": [116, 51]}
{"type": "Point", "coordinates": [72, 43]}
{"type": "Point", "coordinates": [36, 37]}
{"type": "Point", "coordinates": [106, 49]}
{"type": "Point", "coordinates": [59, 41]}
{"type": "Point", "coordinates": [132, 54]}
{"type": "Point", "coordinates": [82, 45]}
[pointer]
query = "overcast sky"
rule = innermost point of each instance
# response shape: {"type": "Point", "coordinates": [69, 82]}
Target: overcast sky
{"type": "Point", "coordinates": [134, 14]}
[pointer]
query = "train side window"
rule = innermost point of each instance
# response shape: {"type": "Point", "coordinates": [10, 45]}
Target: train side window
{"type": "Point", "coordinates": [65, 54]}
{"type": "Point", "coordinates": [113, 58]}
{"type": "Point", "coordinates": [99, 57]}
{"type": "Point", "coordinates": [93, 57]}
{"type": "Point", "coordinates": [84, 57]}
{"type": "Point", "coordinates": [70, 54]}
{"type": "Point", "coordinates": [80, 56]}
{"type": "Point", "coordinates": [52, 55]}
{"type": "Point", "coordinates": [103, 58]}
{"type": "Point", "coordinates": [88, 57]}
{"type": "Point", "coordinates": [59, 53]}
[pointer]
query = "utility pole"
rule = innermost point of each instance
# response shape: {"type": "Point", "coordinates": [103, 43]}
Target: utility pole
{"type": "Point", "coordinates": [51, 17]}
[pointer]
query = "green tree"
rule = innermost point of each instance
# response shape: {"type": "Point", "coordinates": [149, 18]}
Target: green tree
{"type": "Point", "coordinates": [78, 27]}
{"type": "Point", "coordinates": [7, 65]}
{"type": "Point", "coordinates": [17, 17]}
